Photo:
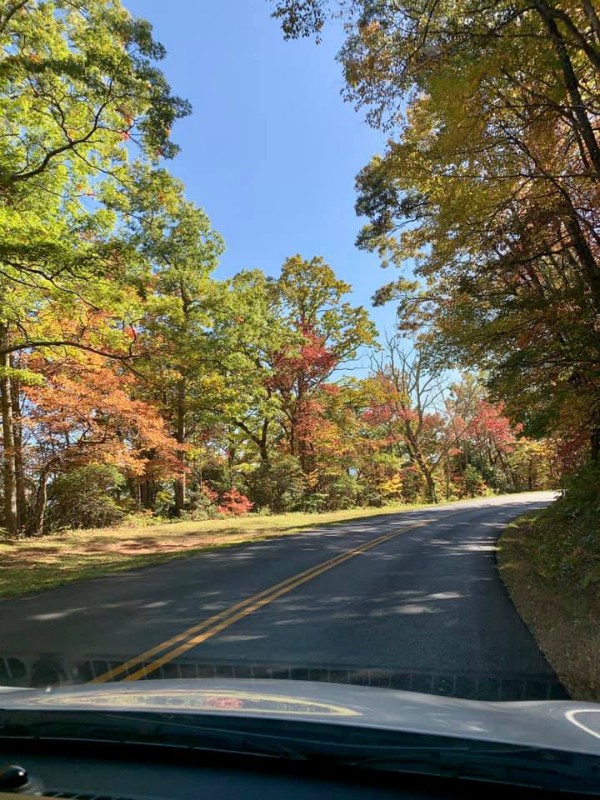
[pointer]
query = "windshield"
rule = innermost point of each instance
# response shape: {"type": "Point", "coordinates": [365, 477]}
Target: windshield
{"type": "Point", "coordinates": [299, 349]}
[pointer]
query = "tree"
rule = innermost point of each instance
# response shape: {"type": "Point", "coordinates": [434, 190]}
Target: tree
{"type": "Point", "coordinates": [78, 81]}
{"type": "Point", "coordinates": [249, 331]}
{"type": "Point", "coordinates": [175, 240]}
{"type": "Point", "coordinates": [408, 400]}
{"type": "Point", "coordinates": [84, 413]}
{"type": "Point", "coordinates": [428, 425]}
{"type": "Point", "coordinates": [329, 332]}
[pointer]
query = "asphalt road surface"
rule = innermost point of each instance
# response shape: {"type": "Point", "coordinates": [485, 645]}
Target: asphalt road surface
{"type": "Point", "coordinates": [410, 600]}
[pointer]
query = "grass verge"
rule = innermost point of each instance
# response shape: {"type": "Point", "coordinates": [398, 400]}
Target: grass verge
{"type": "Point", "coordinates": [546, 569]}
{"type": "Point", "coordinates": [31, 565]}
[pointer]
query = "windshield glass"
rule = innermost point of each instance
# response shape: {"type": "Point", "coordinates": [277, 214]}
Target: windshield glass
{"type": "Point", "coordinates": [233, 447]}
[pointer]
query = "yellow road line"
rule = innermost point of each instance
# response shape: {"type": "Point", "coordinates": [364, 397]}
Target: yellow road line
{"type": "Point", "coordinates": [192, 637]}
{"type": "Point", "coordinates": [106, 676]}
{"type": "Point", "coordinates": [250, 609]}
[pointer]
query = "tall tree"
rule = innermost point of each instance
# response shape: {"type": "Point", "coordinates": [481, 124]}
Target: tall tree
{"type": "Point", "coordinates": [176, 241]}
{"type": "Point", "coordinates": [329, 333]}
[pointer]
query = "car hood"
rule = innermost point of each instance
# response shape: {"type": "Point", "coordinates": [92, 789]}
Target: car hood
{"type": "Point", "coordinates": [557, 724]}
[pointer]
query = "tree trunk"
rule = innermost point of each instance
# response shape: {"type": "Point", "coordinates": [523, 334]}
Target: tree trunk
{"type": "Point", "coordinates": [593, 17]}
{"type": "Point", "coordinates": [18, 445]}
{"type": "Point", "coordinates": [263, 443]}
{"type": "Point", "coordinates": [147, 494]}
{"type": "Point", "coordinates": [584, 124]}
{"type": "Point", "coordinates": [41, 500]}
{"type": "Point", "coordinates": [595, 444]}
{"type": "Point", "coordinates": [180, 483]}
{"type": "Point", "coordinates": [430, 483]}
{"type": "Point", "coordinates": [530, 474]}
{"type": "Point", "coordinates": [6, 409]}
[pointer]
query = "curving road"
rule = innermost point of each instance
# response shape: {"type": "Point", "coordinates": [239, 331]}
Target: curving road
{"type": "Point", "coordinates": [410, 600]}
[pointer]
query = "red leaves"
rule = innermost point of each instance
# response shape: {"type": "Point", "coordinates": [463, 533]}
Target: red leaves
{"type": "Point", "coordinates": [490, 426]}
{"type": "Point", "coordinates": [310, 364]}
{"type": "Point", "coordinates": [235, 504]}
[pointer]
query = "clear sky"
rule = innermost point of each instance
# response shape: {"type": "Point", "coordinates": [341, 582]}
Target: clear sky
{"type": "Point", "coordinates": [271, 149]}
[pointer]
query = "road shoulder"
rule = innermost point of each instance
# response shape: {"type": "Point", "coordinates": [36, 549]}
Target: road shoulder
{"type": "Point", "coordinates": [561, 613]}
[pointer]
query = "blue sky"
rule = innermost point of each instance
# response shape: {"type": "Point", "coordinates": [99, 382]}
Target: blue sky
{"type": "Point", "coordinates": [271, 150]}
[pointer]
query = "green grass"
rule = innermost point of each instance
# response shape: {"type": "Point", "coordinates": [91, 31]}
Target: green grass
{"type": "Point", "coordinates": [31, 565]}
{"type": "Point", "coordinates": [549, 563]}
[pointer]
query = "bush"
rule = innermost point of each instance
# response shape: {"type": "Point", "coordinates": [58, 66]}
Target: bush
{"type": "Point", "coordinates": [280, 485]}
{"type": "Point", "coordinates": [202, 504]}
{"type": "Point", "coordinates": [473, 482]}
{"type": "Point", "coordinates": [343, 493]}
{"type": "Point", "coordinates": [314, 503]}
{"type": "Point", "coordinates": [569, 532]}
{"type": "Point", "coordinates": [235, 504]}
{"type": "Point", "coordinates": [84, 498]}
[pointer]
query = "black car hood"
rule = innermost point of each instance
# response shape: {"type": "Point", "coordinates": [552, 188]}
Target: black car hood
{"type": "Point", "coordinates": [556, 724]}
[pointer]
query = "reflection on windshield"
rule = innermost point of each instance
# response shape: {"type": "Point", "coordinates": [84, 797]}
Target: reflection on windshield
{"type": "Point", "coordinates": [204, 700]}
{"type": "Point", "coordinates": [50, 670]}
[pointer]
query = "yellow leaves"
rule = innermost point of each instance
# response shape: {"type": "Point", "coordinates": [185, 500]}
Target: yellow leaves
{"type": "Point", "coordinates": [369, 30]}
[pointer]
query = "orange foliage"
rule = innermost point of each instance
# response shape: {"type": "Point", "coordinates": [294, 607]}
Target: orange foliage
{"type": "Point", "coordinates": [86, 412]}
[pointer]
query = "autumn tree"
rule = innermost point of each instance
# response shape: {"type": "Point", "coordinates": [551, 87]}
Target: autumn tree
{"type": "Point", "coordinates": [331, 332]}
{"type": "Point", "coordinates": [79, 88]}
{"type": "Point", "coordinates": [84, 413]}
{"type": "Point", "coordinates": [407, 400]}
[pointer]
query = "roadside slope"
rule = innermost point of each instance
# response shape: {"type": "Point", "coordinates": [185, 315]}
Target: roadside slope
{"type": "Point", "coordinates": [546, 561]}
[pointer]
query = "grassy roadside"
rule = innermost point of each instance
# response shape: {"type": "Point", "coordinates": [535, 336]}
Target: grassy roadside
{"type": "Point", "coordinates": [31, 565]}
{"type": "Point", "coordinates": [549, 573]}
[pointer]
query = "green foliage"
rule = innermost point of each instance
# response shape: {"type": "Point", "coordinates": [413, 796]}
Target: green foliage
{"type": "Point", "coordinates": [473, 481]}
{"type": "Point", "coordinates": [567, 533]}
{"type": "Point", "coordinates": [85, 498]}
{"type": "Point", "coordinates": [279, 485]}
{"type": "Point", "coordinates": [202, 503]}
{"type": "Point", "coordinates": [344, 491]}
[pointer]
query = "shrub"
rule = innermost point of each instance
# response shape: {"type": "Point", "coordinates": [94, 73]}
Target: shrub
{"type": "Point", "coordinates": [314, 503]}
{"type": "Point", "coordinates": [202, 503]}
{"type": "Point", "coordinates": [280, 485]}
{"type": "Point", "coordinates": [473, 482]}
{"type": "Point", "coordinates": [235, 504]}
{"type": "Point", "coordinates": [567, 533]}
{"type": "Point", "coordinates": [84, 498]}
{"type": "Point", "coordinates": [343, 492]}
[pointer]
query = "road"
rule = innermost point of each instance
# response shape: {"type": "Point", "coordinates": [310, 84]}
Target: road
{"type": "Point", "coordinates": [411, 600]}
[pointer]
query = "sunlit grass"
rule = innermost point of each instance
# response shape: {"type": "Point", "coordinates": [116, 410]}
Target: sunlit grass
{"type": "Point", "coordinates": [30, 565]}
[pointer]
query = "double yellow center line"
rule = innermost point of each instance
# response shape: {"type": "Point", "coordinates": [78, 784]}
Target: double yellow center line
{"type": "Point", "coordinates": [151, 660]}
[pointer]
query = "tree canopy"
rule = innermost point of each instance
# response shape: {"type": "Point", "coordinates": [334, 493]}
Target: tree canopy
{"type": "Point", "coordinates": [487, 193]}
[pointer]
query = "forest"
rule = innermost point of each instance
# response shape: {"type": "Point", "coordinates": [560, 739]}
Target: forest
{"type": "Point", "coordinates": [134, 384]}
